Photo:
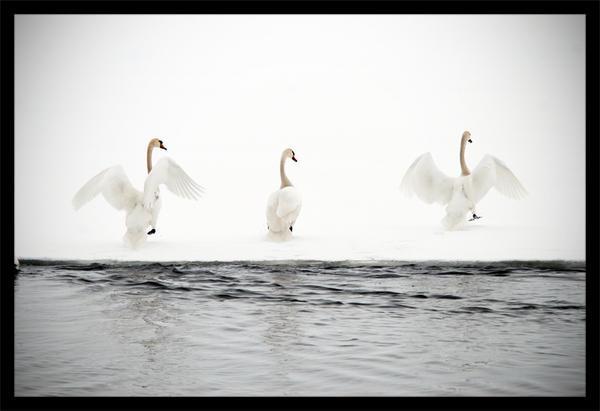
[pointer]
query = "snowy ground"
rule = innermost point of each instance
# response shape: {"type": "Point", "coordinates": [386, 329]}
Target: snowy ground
{"type": "Point", "coordinates": [474, 242]}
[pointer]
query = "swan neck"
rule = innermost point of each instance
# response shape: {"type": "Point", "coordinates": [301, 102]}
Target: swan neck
{"type": "Point", "coordinates": [463, 164]}
{"type": "Point", "coordinates": [285, 181]}
{"type": "Point", "coordinates": [149, 157]}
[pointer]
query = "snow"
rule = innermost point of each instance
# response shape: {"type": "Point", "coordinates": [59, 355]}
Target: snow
{"type": "Point", "coordinates": [474, 242]}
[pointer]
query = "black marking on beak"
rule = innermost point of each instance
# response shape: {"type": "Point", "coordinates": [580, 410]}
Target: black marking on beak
{"type": "Point", "coordinates": [294, 158]}
{"type": "Point", "coordinates": [161, 145]}
{"type": "Point", "coordinates": [470, 141]}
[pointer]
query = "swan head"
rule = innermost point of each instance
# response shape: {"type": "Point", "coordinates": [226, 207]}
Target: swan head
{"type": "Point", "coordinates": [288, 152]}
{"type": "Point", "coordinates": [467, 137]}
{"type": "Point", "coordinates": [155, 142]}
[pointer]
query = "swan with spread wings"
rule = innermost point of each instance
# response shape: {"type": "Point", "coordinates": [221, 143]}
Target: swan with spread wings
{"type": "Point", "coordinates": [141, 207]}
{"type": "Point", "coordinates": [461, 194]}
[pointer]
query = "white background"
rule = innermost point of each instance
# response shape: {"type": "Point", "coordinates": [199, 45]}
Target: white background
{"type": "Point", "coordinates": [358, 98]}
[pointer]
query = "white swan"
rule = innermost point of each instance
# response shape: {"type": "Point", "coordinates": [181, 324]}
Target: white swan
{"type": "Point", "coordinates": [460, 194]}
{"type": "Point", "coordinates": [283, 206]}
{"type": "Point", "coordinates": [142, 208]}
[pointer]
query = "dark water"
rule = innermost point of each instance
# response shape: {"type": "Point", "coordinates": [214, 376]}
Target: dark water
{"type": "Point", "coordinates": [300, 328]}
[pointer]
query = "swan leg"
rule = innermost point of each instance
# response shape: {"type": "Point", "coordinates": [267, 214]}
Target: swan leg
{"type": "Point", "coordinates": [154, 218]}
{"type": "Point", "coordinates": [292, 225]}
{"type": "Point", "coordinates": [475, 216]}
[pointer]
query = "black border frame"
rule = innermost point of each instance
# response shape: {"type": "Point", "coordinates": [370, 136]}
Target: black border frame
{"type": "Point", "coordinates": [590, 8]}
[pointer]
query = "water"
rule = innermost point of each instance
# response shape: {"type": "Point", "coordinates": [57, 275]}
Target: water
{"type": "Point", "coordinates": [300, 328]}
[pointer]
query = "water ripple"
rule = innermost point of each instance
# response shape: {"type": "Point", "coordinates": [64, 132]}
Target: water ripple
{"type": "Point", "coordinates": [300, 328]}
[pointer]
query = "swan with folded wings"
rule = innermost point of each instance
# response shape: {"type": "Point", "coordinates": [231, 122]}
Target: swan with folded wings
{"type": "Point", "coordinates": [461, 194]}
{"type": "Point", "coordinates": [141, 207]}
{"type": "Point", "coordinates": [283, 205]}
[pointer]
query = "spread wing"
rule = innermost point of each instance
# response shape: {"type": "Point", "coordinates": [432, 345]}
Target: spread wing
{"type": "Point", "coordinates": [492, 172]}
{"type": "Point", "coordinates": [114, 186]}
{"type": "Point", "coordinates": [427, 181]}
{"type": "Point", "coordinates": [166, 171]}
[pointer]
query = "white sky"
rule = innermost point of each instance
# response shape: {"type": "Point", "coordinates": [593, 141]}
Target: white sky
{"type": "Point", "coordinates": [357, 97]}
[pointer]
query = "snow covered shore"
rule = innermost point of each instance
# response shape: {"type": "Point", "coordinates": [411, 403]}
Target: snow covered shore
{"type": "Point", "coordinates": [474, 242]}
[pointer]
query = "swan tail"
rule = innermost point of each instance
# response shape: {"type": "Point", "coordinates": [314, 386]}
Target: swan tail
{"type": "Point", "coordinates": [453, 221]}
{"type": "Point", "coordinates": [282, 235]}
{"type": "Point", "coordinates": [456, 211]}
{"type": "Point", "coordinates": [134, 238]}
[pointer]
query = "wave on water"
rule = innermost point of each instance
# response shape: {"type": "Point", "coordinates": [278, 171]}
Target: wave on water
{"type": "Point", "coordinates": [433, 266]}
{"type": "Point", "coordinates": [249, 324]}
{"type": "Point", "coordinates": [387, 284]}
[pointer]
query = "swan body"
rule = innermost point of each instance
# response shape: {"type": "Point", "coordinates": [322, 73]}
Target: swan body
{"type": "Point", "coordinates": [141, 207]}
{"type": "Point", "coordinates": [283, 205]}
{"type": "Point", "coordinates": [460, 194]}
{"type": "Point", "coordinates": [283, 208]}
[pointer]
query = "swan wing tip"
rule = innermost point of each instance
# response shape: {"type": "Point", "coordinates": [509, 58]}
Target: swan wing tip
{"type": "Point", "coordinates": [523, 193]}
{"type": "Point", "coordinates": [78, 200]}
{"type": "Point", "coordinates": [405, 191]}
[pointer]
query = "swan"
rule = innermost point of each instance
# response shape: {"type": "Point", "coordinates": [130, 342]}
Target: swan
{"type": "Point", "coordinates": [283, 205]}
{"type": "Point", "coordinates": [460, 194]}
{"type": "Point", "coordinates": [142, 208]}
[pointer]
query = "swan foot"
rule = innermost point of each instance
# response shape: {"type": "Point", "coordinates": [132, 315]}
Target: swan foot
{"type": "Point", "coordinates": [151, 231]}
{"type": "Point", "coordinates": [475, 217]}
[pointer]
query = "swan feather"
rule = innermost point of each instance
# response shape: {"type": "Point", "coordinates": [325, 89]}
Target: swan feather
{"type": "Point", "coordinates": [166, 171]}
{"type": "Point", "coordinates": [425, 179]}
{"type": "Point", "coordinates": [492, 172]}
{"type": "Point", "coordinates": [283, 208]}
{"type": "Point", "coordinates": [114, 185]}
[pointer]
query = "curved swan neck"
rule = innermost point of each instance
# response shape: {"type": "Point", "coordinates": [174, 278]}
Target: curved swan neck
{"type": "Point", "coordinates": [285, 182]}
{"type": "Point", "coordinates": [463, 164]}
{"type": "Point", "coordinates": [149, 157]}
